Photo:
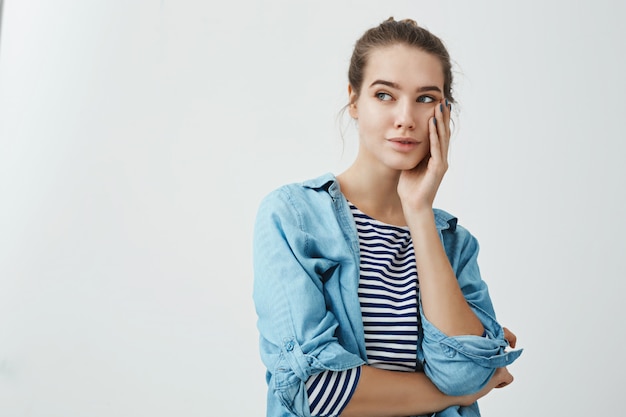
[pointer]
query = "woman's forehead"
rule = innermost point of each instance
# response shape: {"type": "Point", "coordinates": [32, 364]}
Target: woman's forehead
{"type": "Point", "coordinates": [406, 66]}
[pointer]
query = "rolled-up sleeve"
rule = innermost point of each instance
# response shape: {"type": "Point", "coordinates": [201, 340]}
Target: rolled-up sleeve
{"type": "Point", "coordinates": [463, 365]}
{"type": "Point", "coordinates": [297, 330]}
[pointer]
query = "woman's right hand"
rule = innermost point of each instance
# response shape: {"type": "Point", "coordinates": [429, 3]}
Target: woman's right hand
{"type": "Point", "coordinates": [418, 187]}
{"type": "Point", "coordinates": [500, 379]}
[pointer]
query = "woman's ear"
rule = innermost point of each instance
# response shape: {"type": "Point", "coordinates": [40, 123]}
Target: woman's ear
{"type": "Point", "coordinates": [352, 99]}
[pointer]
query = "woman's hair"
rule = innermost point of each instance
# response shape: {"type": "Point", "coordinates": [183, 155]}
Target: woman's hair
{"type": "Point", "coordinates": [392, 32]}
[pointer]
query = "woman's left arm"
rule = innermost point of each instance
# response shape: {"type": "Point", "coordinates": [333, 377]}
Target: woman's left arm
{"type": "Point", "coordinates": [442, 300]}
{"type": "Point", "coordinates": [462, 363]}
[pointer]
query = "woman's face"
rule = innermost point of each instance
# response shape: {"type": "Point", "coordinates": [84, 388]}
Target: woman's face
{"type": "Point", "coordinates": [401, 87]}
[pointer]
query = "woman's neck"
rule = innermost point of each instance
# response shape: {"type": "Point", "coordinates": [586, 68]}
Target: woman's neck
{"type": "Point", "coordinates": [374, 192]}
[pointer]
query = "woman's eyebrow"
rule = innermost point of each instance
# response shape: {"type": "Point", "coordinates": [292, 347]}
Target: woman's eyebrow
{"type": "Point", "coordinates": [396, 86]}
{"type": "Point", "coordinates": [387, 83]}
{"type": "Point", "coordinates": [429, 88]}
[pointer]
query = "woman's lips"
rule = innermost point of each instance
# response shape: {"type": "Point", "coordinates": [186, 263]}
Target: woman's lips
{"type": "Point", "coordinates": [403, 144]}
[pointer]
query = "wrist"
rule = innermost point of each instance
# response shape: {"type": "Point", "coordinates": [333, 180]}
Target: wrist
{"type": "Point", "coordinates": [419, 215]}
{"type": "Point", "coordinates": [410, 203]}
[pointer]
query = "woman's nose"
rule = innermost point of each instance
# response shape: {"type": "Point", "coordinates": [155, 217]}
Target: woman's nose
{"type": "Point", "coordinates": [405, 118]}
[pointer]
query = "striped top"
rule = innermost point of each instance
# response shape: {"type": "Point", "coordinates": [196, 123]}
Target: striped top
{"type": "Point", "coordinates": [388, 293]}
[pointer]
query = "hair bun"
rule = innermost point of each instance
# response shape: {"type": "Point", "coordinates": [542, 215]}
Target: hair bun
{"type": "Point", "coordinates": [409, 21]}
{"type": "Point", "coordinates": [405, 21]}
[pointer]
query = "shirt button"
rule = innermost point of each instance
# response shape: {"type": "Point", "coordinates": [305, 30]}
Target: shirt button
{"type": "Point", "coordinates": [289, 346]}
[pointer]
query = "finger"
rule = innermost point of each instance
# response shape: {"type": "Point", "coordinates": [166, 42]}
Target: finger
{"type": "Point", "coordinates": [442, 113]}
{"type": "Point", "coordinates": [505, 378]}
{"type": "Point", "coordinates": [448, 108]}
{"type": "Point", "coordinates": [435, 148]}
{"type": "Point", "coordinates": [445, 113]}
{"type": "Point", "coordinates": [510, 337]}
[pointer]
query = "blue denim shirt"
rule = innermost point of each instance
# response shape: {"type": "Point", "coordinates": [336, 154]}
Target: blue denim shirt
{"type": "Point", "coordinates": [306, 276]}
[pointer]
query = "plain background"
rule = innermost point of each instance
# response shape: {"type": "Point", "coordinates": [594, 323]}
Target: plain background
{"type": "Point", "coordinates": [138, 137]}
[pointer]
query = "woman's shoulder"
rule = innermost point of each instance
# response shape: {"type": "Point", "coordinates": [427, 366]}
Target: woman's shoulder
{"type": "Point", "coordinates": [323, 183]}
{"type": "Point", "coordinates": [449, 223]}
{"type": "Point", "coordinates": [305, 195]}
{"type": "Point", "coordinates": [456, 238]}
{"type": "Point", "coordinates": [445, 220]}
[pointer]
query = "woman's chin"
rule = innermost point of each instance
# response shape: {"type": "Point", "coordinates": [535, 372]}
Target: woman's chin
{"type": "Point", "coordinates": [406, 165]}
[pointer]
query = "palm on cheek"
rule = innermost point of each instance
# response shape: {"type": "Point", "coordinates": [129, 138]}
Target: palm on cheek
{"type": "Point", "coordinates": [418, 187]}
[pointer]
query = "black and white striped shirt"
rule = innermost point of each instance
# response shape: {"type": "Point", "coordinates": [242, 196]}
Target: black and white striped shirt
{"type": "Point", "coordinates": [388, 293]}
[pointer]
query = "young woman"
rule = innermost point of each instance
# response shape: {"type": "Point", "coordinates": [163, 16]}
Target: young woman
{"type": "Point", "coordinates": [369, 301]}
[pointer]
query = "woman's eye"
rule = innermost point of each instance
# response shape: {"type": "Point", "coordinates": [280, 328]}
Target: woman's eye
{"type": "Point", "coordinates": [425, 99]}
{"type": "Point", "coordinates": [383, 96]}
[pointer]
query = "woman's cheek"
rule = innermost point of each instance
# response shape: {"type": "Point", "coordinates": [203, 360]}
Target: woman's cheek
{"type": "Point", "coordinates": [430, 113]}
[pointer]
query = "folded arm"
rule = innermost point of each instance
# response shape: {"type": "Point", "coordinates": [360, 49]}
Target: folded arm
{"type": "Point", "coordinates": [382, 393]}
{"type": "Point", "coordinates": [463, 343]}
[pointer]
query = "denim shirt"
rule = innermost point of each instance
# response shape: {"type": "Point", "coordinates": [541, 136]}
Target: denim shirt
{"type": "Point", "coordinates": [306, 277]}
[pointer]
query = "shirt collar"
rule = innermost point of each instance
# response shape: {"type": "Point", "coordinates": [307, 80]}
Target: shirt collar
{"type": "Point", "coordinates": [328, 182]}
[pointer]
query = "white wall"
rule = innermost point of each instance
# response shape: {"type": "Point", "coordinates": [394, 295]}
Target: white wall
{"type": "Point", "coordinates": [137, 138]}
